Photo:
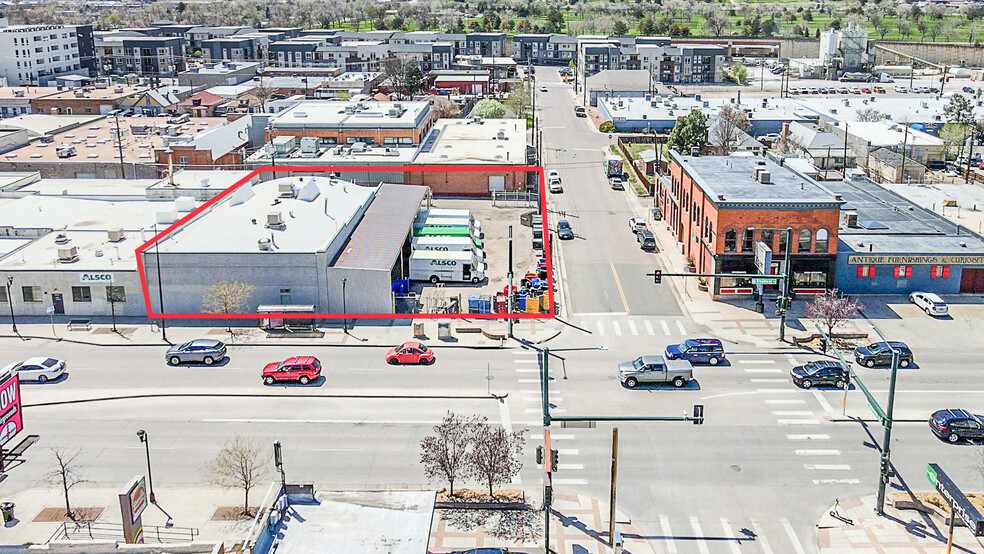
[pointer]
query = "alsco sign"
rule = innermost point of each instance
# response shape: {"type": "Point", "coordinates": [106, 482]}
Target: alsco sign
{"type": "Point", "coordinates": [96, 277]}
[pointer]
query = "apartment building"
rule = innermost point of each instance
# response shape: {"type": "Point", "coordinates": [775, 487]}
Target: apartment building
{"type": "Point", "coordinates": [129, 52]}
{"type": "Point", "coordinates": [36, 54]}
{"type": "Point", "coordinates": [666, 62]}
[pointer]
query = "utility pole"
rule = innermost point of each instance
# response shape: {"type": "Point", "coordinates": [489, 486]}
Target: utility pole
{"type": "Point", "coordinates": [886, 454]}
{"type": "Point", "coordinates": [787, 284]}
{"type": "Point", "coordinates": [547, 462]}
{"type": "Point", "coordinates": [905, 142]}
{"type": "Point", "coordinates": [509, 292]}
{"type": "Point", "coordinates": [611, 508]}
{"type": "Point", "coordinates": [160, 284]}
{"type": "Point", "coordinates": [119, 143]}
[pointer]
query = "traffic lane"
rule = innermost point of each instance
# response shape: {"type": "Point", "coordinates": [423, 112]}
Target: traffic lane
{"type": "Point", "coordinates": [593, 288]}
{"type": "Point", "coordinates": [643, 296]}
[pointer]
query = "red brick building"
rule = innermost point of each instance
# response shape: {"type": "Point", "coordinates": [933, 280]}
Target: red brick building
{"type": "Point", "coordinates": [719, 207]}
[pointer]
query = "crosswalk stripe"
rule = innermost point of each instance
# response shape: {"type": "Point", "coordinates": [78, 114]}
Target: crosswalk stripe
{"type": "Point", "coordinates": [818, 437]}
{"type": "Point", "coordinates": [666, 328]}
{"type": "Point", "coordinates": [793, 413]}
{"type": "Point", "coordinates": [729, 534]}
{"type": "Point", "coordinates": [632, 328]}
{"type": "Point", "coordinates": [699, 536]}
{"type": "Point", "coordinates": [553, 437]}
{"type": "Point", "coordinates": [569, 466]}
{"type": "Point", "coordinates": [522, 352]}
{"type": "Point", "coordinates": [817, 452]}
{"type": "Point", "coordinates": [527, 361]}
{"type": "Point", "coordinates": [828, 467]}
{"type": "Point", "coordinates": [664, 524]}
{"type": "Point", "coordinates": [823, 402]}
{"type": "Point", "coordinates": [792, 536]}
{"type": "Point", "coordinates": [792, 360]}
{"type": "Point", "coordinates": [649, 327]}
{"type": "Point", "coordinates": [567, 451]}
{"type": "Point", "coordinates": [836, 481]}
{"type": "Point", "coordinates": [778, 391]}
{"type": "Point", "coordinates": [680, 327]}
{"type": "Point", "coordinates": [601, 329]}
{"type": "Point", "coordinates": [798, 422]}
{"type": "Point", "coordinates": [584, 325]}
{"type": "Point", "coordinates": [527, 370]}
{"type": "Point", "coordinates": [618, 329]}
{"type": "Point", "coordinates": [760, 538]}
{"type": "Point", "coordinates": [528, 380]}
{"type": "Point", "coordinates": [785, 401]}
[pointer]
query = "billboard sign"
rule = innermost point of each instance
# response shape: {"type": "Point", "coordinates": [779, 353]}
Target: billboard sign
{"type": "Point", "coordinates": [138, 498]}
{"type": "Point", "coordinates": [961, 506]}
{"type": "Point", "coordinates": [133, 502]}
{"type": "Point", "coordinates": [11, 420]}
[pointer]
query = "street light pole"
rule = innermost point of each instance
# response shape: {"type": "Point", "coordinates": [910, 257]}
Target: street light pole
{"type": "Point", "coordinates": [787, 283]}
{"type": "Point", "coordinates": [150, 480]}
{"type": "Point", "coordinates": [10, 301]}
{"type": "Point", "coordinates": [344, 308]}
{"type": "Point", "coordinates": [160, 284]}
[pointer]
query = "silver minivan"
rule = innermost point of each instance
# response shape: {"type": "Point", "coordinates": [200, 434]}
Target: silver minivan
{"type": "Point", "coordinates": [204, 351]}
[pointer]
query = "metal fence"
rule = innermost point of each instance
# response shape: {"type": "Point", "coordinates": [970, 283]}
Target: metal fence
{"type": "Point", "coordinates": [89, 530]}
{"type": "Point", "coordinates": [509, 199]}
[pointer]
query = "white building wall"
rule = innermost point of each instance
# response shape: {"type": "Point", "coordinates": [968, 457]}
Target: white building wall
{"type": "Point", "coordinates": [62, 278]}
{"type": "Point", "coordinates": [32, 54]}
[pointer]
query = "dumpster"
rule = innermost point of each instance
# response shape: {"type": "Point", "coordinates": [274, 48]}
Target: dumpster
{"type": "Point", "coordinates": [8, 511]}
{"type": "Point", "coordinates": [418, 329]}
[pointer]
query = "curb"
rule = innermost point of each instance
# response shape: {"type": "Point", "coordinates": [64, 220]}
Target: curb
{"type": "Point", "coordinates": [266, 395]}
{"type": "Point", "coordinates": [291, 344]}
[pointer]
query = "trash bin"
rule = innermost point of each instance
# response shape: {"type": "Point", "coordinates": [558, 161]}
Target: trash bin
{"type": "Point", "coordinates": [444, 329]}
{"type": "Point", "coordinates": [8, 511]}
{"type": "Point", "coordinates": [418, 329]}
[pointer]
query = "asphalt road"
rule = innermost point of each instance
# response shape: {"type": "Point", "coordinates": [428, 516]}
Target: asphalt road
{"type": "Point", "coordinates": [605, 268]}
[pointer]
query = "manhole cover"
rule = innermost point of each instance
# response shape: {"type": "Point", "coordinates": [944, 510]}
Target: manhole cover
{"type": "Point", "coordinates": [611, 377]}
{"type": "Point", "coordinates": [736, 468]}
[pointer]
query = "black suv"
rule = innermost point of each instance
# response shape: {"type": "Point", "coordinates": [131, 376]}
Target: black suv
{"type": "Point", "coordinates": [646, 240]}
{"type": "Point", "coordinates": [880, 353]}
{"type": "Point", "coordinates": [957, 425]}
{"type": "Point", "coordinates": [820, 372]}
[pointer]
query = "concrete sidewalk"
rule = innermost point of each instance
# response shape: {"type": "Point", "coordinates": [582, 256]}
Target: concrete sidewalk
{"type": "Point", "coordinates": [464, 334]}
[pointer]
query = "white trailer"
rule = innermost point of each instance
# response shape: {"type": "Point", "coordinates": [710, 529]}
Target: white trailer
{"type": "Point", "coordinates": [447, 244]}
{"type": "Point", "coordinates": [451, 267]}
{"type": "Point", "coordinates": [450, 213]}
{"type": "Point", "coordinates": [449, 222]}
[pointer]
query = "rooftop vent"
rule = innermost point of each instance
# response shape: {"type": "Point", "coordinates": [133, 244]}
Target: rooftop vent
{"type": "Point", "coordinates": [501, 135]}
{"type": "Point", "coordinates": [116, 235]}
{"type": "Point", "coordinates": [265, 244]}
{"type": "Point", "coordinates": [18, 94]}
{"type": "Point", "coordinates": [275, 220]}
{"type": "Point", "coordinates": [61, 239]}
{"type": "Point", "coordinates": [287, 190]}
{"type": "Point", "coordinates": [68, 255]}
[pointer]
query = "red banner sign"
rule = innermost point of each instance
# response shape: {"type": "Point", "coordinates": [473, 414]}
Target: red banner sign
{"type": "Point", "coordinates": [11, 421]}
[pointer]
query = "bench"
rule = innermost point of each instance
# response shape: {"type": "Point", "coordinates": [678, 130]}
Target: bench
{"type": "Point", "coordinates": [17, 451]}
{"type": "Point", "coordinates": [79, 325]}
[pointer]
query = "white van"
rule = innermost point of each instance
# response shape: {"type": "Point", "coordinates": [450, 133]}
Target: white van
{"type": "Point", "coordinates": [451, 214]}
{"type": "Point", "coordinates": [436, 266]}
{"type": "Point", "coordinates": [447, 244]}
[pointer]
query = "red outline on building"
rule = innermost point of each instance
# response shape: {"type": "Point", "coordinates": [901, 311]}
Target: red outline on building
{"type": "Point", "coordinates": [323, 169]}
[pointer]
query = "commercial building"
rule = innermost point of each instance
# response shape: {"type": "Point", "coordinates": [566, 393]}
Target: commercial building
{"type": "Point", "coordinates": [339, 123]}
{"type": "Point", "coordinates": [846, 49]}
{"type": "Point", "coordinates": [36, 54]}
{"type": "Point", "coordinates": [720, 207]}
{"type": "Point", "coordinates": [16, 101]}
{"type": "Point", "coordinates": [865, 137]}
{"type": "Point", "coordinates": [461, 81]}
{"type": "Point", "coordinates": [90, 100]}
{"type": "Point", "coordinates": [655, 114]}
{"type": "Point", "coordinates": [822, 148]}
{"type": "Point", "coordinates": [215, 147]}
{"type": "Point", "coordinates": [621, 83]}
{"type": "Point", "coordinates": [214, 74]}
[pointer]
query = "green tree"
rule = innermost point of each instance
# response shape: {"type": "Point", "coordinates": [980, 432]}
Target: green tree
{"type": "Point", "coordinates": [519, 101]}
{"type": "Point", "coordinates": [738, 73]}
{"type": "Point", "coordinates": [689, 132]}
{"type": "Point", "coordinates": [620, 29]}
{"type": "Point", "coordinates": [415, 82]}
{"type": "Point", "coordinates": [488, 109]}
{"type": "Point", "coordinates": [607, 127]}
{"type": "Point", "coordinates": [492, 21]}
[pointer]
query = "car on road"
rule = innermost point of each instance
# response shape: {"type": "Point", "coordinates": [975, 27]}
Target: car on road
{"type": "Point", "coordinates": [901, 89]}
{"type": "Point", "coordinates": [302, 369]}
{"type": "Point", "coordinates": [411, 352]}
{"type": "Point", "coordinates": [646, 240]}
{"type": "Point", "coordinates": [930, 303]}
{"type": "Point", "coordinates": [865, 90]}
{"type": "Point", "coordinates": [968, 90]}
{"type": "Point", "coordinates": [543, 89]}
{"type": "Point", "coordinates": [39, 369]}
{"type": "Point", "coordinates": [956, 425]}
{"type": "Point", "coordinates": [580, 112]}
{"type": "Point", "coordinates": [616, 183]}
{"type": "Point", "coordinates": [564, 230]}
{"type": "Point", "coordinates": [553, 181]}
{"type": "Point", "coordinates": [654, 369]}
{"type": "Point", "coordinates": [855, 90]}
{"type": "Point", "coordinates": [697, 351]}
{"type": "Point", "coordinates": [880, 353]}
{"type": "Point", "coordinates": [820, 372]}
{"type": "Point", "coordinates": [204, 351]}
{"type": "Point", "coordinates": [637, 224]}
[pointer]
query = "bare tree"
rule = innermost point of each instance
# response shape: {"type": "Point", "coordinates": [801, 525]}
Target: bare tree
{"type": "Point", "coordinates": [396, 74]}
{"type": "Point", "coordinates": [904, 27]}
{"type": "Point", "coordinates": [832, 309]}
{"type": "Point", "coordinates": [241, 464]}
{"type": "Point", "coordinates": [520, 101]}
{"type": "Point", "coordinates": [226, 297]}
{"type": "Point", "coordinates": [66, 474]}
{"type": "Point", "coordinates": [870, 114]}
{"type": "Point", "coordinates": [445, 453]}
{"type": "Point", "coordinates": [263, 94]}
{"type": "Point", "coordinates": [495, 455]}
{"type": "Point", "coordinates": [445, 108]}
{"type": "Point", "coordinates": [728, 127]}
{"type": "Point", "coordinates": [717, 22]}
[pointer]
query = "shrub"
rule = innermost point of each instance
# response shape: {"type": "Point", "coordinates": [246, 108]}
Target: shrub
{"type": "Point", "coordinates": [607, 127]}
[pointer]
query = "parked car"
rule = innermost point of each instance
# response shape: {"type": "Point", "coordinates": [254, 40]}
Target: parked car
{"type": "Point", "coordinates": [615, 183]}
{"type": "Point", "coordinates": [580, 112]}
{"type": "Point", "coordinates": [956, 425]}
{"type": "Point", "coordinates": [637, 224]}
{"type": "Point", "coordinates": [824, 90]}
{"type": "Point", "coordinates": [820, 372]}
{"type": "Point", "coordinates": [865, 90]}
{"type": "Point", "coordinates": [968, 90]}
{"type": "Point", "coordinates": [697, 351]}
{"type": "Point", "coordinates": [843, 90]}
{"type": "Point", "coordinates": [543, 89]}
{"type": "Point", "coordinates": [930, 303]}
{"type": "Point", "coordinates": [879, 89]}
{"type": "Point", "coordinates": [302, 369]}
{"type": "Point", "coordinates": [855, 90]}
{"type": "Point", "coordinates": [410, 353]}
{"type": "Point", "coordinates": [880, 353]}
{"type": "Point", "coordinates": [39, 369]}
{"type": "Point", "coordinates": [646, 240]}
{"type": "Point", "coordinates": [205, 351]}
{"type": "Point", "coordinates": [564, 230]}
{"type": "Point", "coordinates": [654, 369]}
{"type": "Point", "coordinates": [901, 89]}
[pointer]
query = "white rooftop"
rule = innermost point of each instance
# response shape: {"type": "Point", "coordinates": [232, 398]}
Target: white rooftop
{"type": "Point", "coordinates": [95, 253]}
{"type": "Point", "coordinates": [490, 141]}
{"type": "Point", "coordinates": [887, 133]}
{"type": "Point", "coordinates": [38, 124]}
{"type": "Point", "coordinates": [89, 188]}
{"type": "Point", "coordinates": [312, 220]}
{"type": "Point", "coordinates": [58, 212]}
{"type": "Point", "coordinates": [218, 179]}
{"type": "Point", "coordinates": [335, 114]}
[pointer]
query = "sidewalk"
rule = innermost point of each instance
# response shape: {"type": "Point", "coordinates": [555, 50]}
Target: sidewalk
{"type": "Point", "coordinates": [897, 531]}
{"type": "Point", "coordinates": [464, 334]}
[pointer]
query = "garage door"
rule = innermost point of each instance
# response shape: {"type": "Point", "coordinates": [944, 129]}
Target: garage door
{"type": "Point", "coordinates": [497, 183]}
{"type": "Point", "coordinates": [972, 280]}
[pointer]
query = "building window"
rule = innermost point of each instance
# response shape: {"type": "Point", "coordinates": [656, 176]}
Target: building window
{"type": "Point", "coordinates": [747, 238]}
{"type": "Point", "coordinates": [938, 271]}
{"type": "Point", "coordinates": [783, 237]}
{"type": "Point", "coordinates": [730, 240]}
{"type": "Point", "coordinates": [768, 237]}
{"type": "Point", "coordinates": [866, 272]}
{"type": "Point", "coordinates": [81, 294]}
{"type": "Point", "coordinates": [822, 242]}
{"type": "Point", "coordinates": [182, 161]}
{"type": "Point", "coordinates": [31, 294]}
{"type": "Point", "coordinates": [3, 295]}
{"type": "Point", "coordinates": [812, 279]}
{"type": "Point", "coordinates": [115, 293]}
{"type": "Point", "coordinates": [804, 240]}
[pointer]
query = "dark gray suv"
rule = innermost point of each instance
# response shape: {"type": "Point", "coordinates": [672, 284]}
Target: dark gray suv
{"type": "Point", "coordinates": [205, 351]}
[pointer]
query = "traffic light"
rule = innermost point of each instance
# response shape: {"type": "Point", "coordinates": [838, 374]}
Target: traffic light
{"type": "Point", "coordinates": [698, 414]}
{"type": "Point", "coordinates": [778, 302]}
{"type": "Point", "coordinates": [548, 495]}
{"type": "Point", "coordinates": [539, 455]}
{"type": "Point", "coordinates": [553, 459]}
{"type": "Point", "coordinates": [658, 276]}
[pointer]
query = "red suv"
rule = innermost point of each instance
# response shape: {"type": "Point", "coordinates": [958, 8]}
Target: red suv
{"type": "Point", "coordinates": [302, 369]}
{"type": "Point", "coordinates": [410, 353]}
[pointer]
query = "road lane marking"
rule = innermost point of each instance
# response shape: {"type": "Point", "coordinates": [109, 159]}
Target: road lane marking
{"type": "Point", "coordinates": [816, 437]}
{"type": "Point", "coordinates": [792, 536]}
{"type": "Point", "coordinates": [680, 327]}
{"type": "Point", "coordinates": [782, 401]}
{"type": "Point", "coordinates": [730, 535]}
{"type": "Point", "coordinates": [760, 538]}
{"type": "Point", "coordinates": [767, 380]}
{"type": "Point", "coordinates": [699, 536]}
{"type": "Point", "coordinates": [836, 481]}
{"type": "Point", "coordinates": [823, 402]}
{"type": "Point", "coordinates": [756, 361]}
{"type": "Point", "coordinates": [793, 413]}
{"type": "Point", "coordinates": [601, 329]}
{"type": "Point", "coordinates": [828, 467]}
{"type": "Point", "coordinates": [632, 328]}
{"type": "Point", "coordinates": [507, 425]}
{"type": "Point", "coordinates": [618, 329]}
{"type": "Point", "coordinates": [569, 466]}
{"type": "Point", "coordinates": [666, 328]}
{"type": "Point", "coordinates": [649, 328]}
{"type": "Point", "coordinates": [570, 481]}
{"type": "Point", "coordinates": [817, 452]}
{"type": "Point", "coordinates": [798, 422]}
{"type": "Point", "coordinates": [760, 370]}
{"type": "Point", "coordinates": [664, 524]}
{"type": "Point", "coordinates": [618, 284]}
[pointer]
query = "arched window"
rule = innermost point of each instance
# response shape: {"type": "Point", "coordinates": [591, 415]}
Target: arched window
{"type": "Point", "coordinates": [783, 238]}
{"type": "Point", "coordinates": [822, 241]}
{"type": "Point", "coordinates": [804, 240]}
{"type": "Point", "coordinates": [730, 240]}
{"type": "Point", "coordinates": [747, 238]}
{"type": "Point", "coordinates": [768, 237]}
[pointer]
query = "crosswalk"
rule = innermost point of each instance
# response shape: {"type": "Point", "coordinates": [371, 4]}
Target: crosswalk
{"type": "Point", "coordinates": [636, 327]}
{"type": "Point", "coordinates": [686, 534]}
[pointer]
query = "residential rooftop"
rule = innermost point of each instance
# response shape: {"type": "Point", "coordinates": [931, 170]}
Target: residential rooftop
{"type": "Point", "coordinates": [465, 141]}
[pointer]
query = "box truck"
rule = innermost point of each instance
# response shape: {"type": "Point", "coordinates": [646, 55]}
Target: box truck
{"type": "Point", "coordinates": [450, 214]}
{"type": "Point", "coordinates": [452, 267]}
{"type": "Point", "coordinates": [447, 244]}
{"type": "Point", "coordinates": [613, 165]}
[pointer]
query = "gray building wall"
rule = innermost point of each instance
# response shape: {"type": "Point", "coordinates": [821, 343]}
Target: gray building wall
{"type": "Point", "coordinates": [61, 279]}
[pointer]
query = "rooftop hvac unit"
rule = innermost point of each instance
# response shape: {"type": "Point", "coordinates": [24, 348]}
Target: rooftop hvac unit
{"type": "Point", "coordinates": [118, 90]}
{"type": "Point", "coordinates": [18, 94]}
{"type": "Point", "coordinates": [851, 220]}
{"type": "Point", "coordinates": [275, 221]}
{"type": "Point", "coordinates": [349, 110]}
{"type": "Point", "coordinates": [61, 238]}
{"type": "Point", "coordinates": [116, 235]}
{"type": "Point", "coordinates": [286, 190]}
{"type": "Point", "coordinates": [265, 244]}
{"type": "Point", "coordinates": [358, 147]}
{"type": "Point", "coordinates": [184, 204]}
{"type": "Point", "coordinates": [68, 254]}
{"type": "Point", "coordinates": [765, 177]}
{"type": "Point", "coordinates": [309, 145]}
{"type": "Point", "coordinates": [46, 138]}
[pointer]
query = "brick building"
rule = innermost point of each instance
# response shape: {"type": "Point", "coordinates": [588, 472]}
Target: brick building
{"type": "Point", "coordinates": [719, 207]}
{"type": "Point", "coordinates": [86, 100]}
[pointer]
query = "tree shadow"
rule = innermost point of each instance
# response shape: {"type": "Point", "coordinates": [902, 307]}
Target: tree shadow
{"type": "Point", "coordinates": [516, 525]}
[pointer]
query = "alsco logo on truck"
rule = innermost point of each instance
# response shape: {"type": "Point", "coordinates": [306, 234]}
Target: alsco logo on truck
{"type": "Point", "coordinates": [443, 262]}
